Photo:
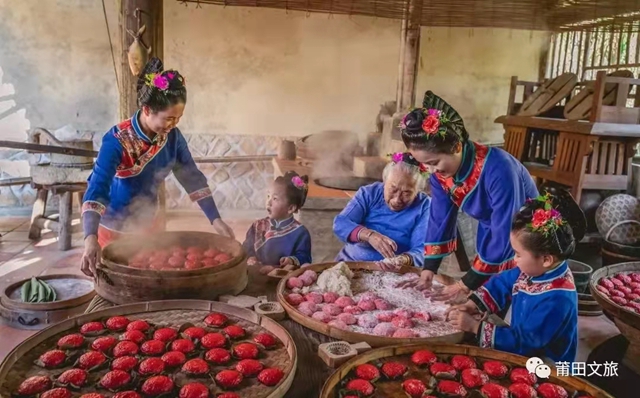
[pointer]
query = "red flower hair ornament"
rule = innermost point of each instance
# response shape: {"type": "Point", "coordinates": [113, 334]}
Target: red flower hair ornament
{"type": "Point", "coordinates": [547, 219]}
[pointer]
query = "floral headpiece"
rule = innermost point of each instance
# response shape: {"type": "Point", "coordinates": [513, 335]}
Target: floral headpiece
{"type": "Point", "coordinates": [409, 159]}
{"type": "Point", "coordinates": [160, 80]}
{"type": "Point", "coordinates": [547, 219]}
{"type": "Point", "coordinates": [298, 182]}
{"type": "Point", "coordinates": [434, 123]}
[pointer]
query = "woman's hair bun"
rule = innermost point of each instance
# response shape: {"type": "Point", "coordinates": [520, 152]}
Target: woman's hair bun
{"type": "Point", "coordinates": [154, 65]}
{"type": "Point", "coordinates": [570, 210]}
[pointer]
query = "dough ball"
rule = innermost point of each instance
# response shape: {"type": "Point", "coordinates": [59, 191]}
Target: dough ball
{"type": "Point", "coordinates": [352, 309]}
{"type": "Point", "coordinates": [402, 322]}
{"type": "Point", "coordinates": [386, 316]}
{"type": "Point", "coordinates": [349, 319]}
{"type": "Point", "coordinates": [314, 297]}
{"type": "Point", "coordinates": [332, 309]}
{"type": "Point", "coordinates": [338, 324]}
{"type": "Point", "coordinates": [367, 305]}
{"type": "Point", "coordinates": [294, 299]}
{"type": "Point", "coordinates": [330, 297]}
{"type": "Point", "coordinates": [404, 333]}
{"type": "Point", "coordinates": [310, 274]}
{"type": "Point", "coordinates": [404, 313]}
{"type": "Point", "coordinates": [307, 308]}
{"type": "Point", "coordinates": [367, 321]}
{"type": "Point", "coordinates": [294, 282]}
{"type": "Point", "coordinates": [344, 301]}
{"type": "Point", "coordinates": [306, 280]}
{"type": "Point", "coordinates": [425, 316]}
{"type": "Point", "coordinates": [368, 296]}
{"type": "Point", "coordinates": [382, 304]}
{"type": "Point", "coordinates": [384, 329]}
{"type": "Point", "coordinates": [322, 317]}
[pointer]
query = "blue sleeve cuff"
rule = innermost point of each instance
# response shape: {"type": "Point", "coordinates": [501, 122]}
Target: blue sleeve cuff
{"type": "Point", "coordinates": [90, 223]}
{"type": "Point", "coordinates": [209, 208]}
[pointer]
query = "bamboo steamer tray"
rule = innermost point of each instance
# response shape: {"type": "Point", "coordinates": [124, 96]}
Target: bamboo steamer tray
{"type": "Point", "coordinates": [116, 255]}
{"type": "Point", "coordinates": [18, 364]}
{"type": "Point", "coordinates": [350, 336]}
{"type": "Point", "coordinates": [579, 106]}
{"type": "Point", "coordinates": [626, 320]}
{"type": "Point", "coordinates": [548, 95]}
{"type": "Point", "coordinates": [331, 387]}
{"type": "Point", "coordinates": [122, 288]}
{"type": "Point", "coordinates": [74, 294]}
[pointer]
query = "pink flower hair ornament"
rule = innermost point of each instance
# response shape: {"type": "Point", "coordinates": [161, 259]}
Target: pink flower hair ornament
{"type": "Point", "coordinates": [161, 80]}
{"type": "Point", "coordinates": [547, 219]}
{"type": "Point", "coordinates": [434, 123]}
{"type": "Point", "coordinates": [407, 158]}
{"type": "Point", "coordinates": [298, 182]}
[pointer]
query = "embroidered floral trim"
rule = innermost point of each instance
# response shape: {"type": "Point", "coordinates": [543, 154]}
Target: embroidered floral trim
{"type": "Point", "coordinates": [484, 268]}
{"type": "Point", "coordinates": [434, 123]}
{"type": "Point", "coordinates": [200, 194]}
{"type": "Point", "coordinates": [487, 334]}
{"type": "Point", "coordinates": [526, 285]}
{"type": "Point", "coordinates": [546, 220]}
{"type": "Point", "coordinates": [485, 297]}
{"type": "Point", "coordinates": [410, 160]}
{"type": "Point", "coordinates": [459, 191]}
{"type": "Point", "coordinates": [440, 248]}
{"type": "Point", "coordinates": [92, 205]}
{"type": "Point", "coordinates": [136, 153]}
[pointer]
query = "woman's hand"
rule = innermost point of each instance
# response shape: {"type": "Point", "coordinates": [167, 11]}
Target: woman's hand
{"type": "Point", "coordinates": [469, 307]}
{"type": "Point", "coordinates": [91, 256]}
{"type": "Point", "coordinates": [422, 283]}
{"type": "Point", "coordinates": [265, 269]}
{"type": "Point", "coordinates": [382, 244]}
{"type": "Point", "coordinates": [464, 321]}
{"type": "Point", "coordinates": [252, 261]}
{"type": "Point", "coordinates": [287, 263]}
{"type": "Point", "coordinates": [222, 228]}
{"type": "Point", "coordinates": [395, 263]}
{"type": "Point", "coordinates": [452, 294]}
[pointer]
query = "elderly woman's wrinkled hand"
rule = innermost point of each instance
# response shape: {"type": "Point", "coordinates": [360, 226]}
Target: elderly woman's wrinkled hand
{"type": "Point", "coordinates": [392, 264]}
{"type": "Point", "coordinates": [382, 244]}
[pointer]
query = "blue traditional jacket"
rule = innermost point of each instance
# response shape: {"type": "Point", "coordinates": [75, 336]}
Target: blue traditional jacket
{"type": "Point", "coordinates": [368, 209]}
{"type": "Point", "coordinates": [122, 191]}
{"type": "Point", "coordinates": [544, 320]}
{"type": "Point", "coordinates": [490, 186]}
{"type": "Point", "coordinates": [269, 241]}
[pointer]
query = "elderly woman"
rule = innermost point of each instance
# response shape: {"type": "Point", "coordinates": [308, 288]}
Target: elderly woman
{"type": "Point", "coordinates": [387, 222]}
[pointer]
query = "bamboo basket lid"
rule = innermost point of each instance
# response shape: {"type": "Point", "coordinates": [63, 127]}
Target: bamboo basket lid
{"type": "Point", "coordinates": [346, 335]}
{"type": "Point", "coordinates": [18, 362]}
{"type": "Point", "coordinates": [573, 384]}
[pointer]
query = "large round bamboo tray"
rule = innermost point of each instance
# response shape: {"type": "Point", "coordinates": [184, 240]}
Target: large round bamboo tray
{"type": "Point", "coordinates": [161, 312]}
{"type": "Point", "coordinates": [570, 383]}
{"type": "Point", "coordinates": [74, 294]}
{"type": "Point", "coordinates": [626, 320]}
{"type": "Point", "coordinates": [121, 288]}
{"type": "Point", "coordinates": [116, 255]}
{"type": "Point", "coordinates": [345, 335]}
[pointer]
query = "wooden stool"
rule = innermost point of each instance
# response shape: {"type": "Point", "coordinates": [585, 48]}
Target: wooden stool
{"type": "Point", "coordinates": [61, 225]}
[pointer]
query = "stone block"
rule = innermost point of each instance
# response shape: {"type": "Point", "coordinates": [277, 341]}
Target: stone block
{"type": "Point", "coordinates": [369, 166]}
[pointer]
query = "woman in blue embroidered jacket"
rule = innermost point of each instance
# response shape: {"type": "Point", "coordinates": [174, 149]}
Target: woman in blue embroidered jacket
{"type": "Point", "coordinates": [386, 222]}
{"type": "Point", "coordinates": [486, 183]}
{"type": "Point", "coordinates": [541, 289]}
{"type": "Point", "coordinates": [279, 240]}
{"type": "Point", "coordinates": [135, 157]}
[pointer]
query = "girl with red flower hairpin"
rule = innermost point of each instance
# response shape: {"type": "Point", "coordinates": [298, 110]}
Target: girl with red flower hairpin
{"type": "Point", "coordinates": [279, 240]}
{"type": "Point", "coordinates": [541, 290]}
{"type": "Point", "coordinates": [486, 183]}
{"type": "Point", "coordinates": [135, 157]}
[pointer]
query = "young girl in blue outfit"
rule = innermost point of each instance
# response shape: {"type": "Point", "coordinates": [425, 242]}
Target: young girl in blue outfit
{"type": "Point", "coordinates": [541, 290]}
{"type": "Point", "coordinates": [279, 240]}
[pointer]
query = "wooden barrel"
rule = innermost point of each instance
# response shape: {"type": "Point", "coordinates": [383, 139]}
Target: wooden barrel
{"type": "Point", "coordinates": [121, 284]}
{"type": "Point", "coordinates": [581, 274]}
{"type": "Point", "coordinates": [75, 292]}
{"type": "Point", "coordinates": [615, 253]}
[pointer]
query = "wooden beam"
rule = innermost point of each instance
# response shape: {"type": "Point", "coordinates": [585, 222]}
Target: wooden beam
{"type": "Point", "coordinates": [151, 15]}
{"type": "Point", "coordinates": [411, 54]}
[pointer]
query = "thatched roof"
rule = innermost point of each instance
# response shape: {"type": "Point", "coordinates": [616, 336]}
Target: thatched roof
{"type": "Point", "coordinates": [514, 14]}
